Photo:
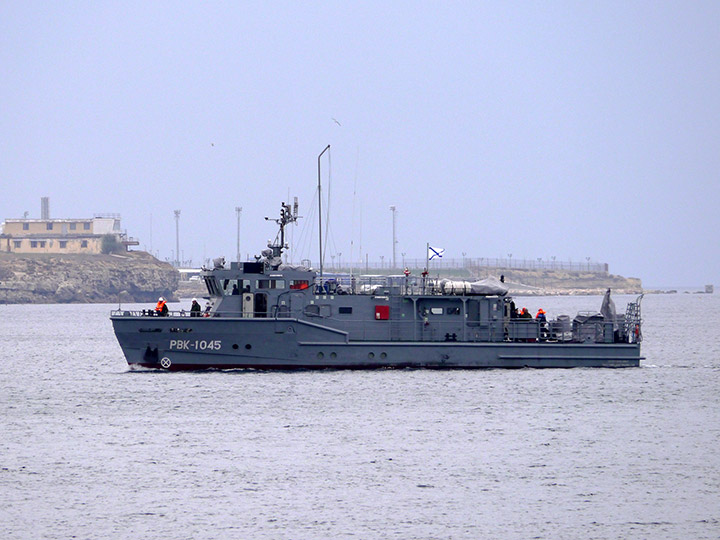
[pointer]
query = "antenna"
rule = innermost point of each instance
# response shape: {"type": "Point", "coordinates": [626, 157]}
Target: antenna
{"type": "Point", "coordinates": [320, 212]}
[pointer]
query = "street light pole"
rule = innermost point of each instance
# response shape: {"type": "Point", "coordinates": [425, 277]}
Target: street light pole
{"type": "Point", "coordinates": [177, 238]}
{"type": "Point", "coordinates": [393, 210]}
{"type": "Point", "coordinates": [238, 211]}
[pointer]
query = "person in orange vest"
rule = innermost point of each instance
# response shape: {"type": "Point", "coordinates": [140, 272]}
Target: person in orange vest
{"type": "Point", "coordinates": [541, 315]}
{"type": "Point", "coordinates": [161, 310]}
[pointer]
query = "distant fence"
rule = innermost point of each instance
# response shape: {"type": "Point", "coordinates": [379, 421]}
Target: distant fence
{"type": "Point", "coordinates": [470, 263]}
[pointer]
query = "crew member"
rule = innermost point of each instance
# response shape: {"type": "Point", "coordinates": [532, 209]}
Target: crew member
{"type": "Point", "coordinates": [541, 315]}
{"type": "Point", "coordinates": [195, 308]}
{"type": "Point", "coordinates": [161, 309]}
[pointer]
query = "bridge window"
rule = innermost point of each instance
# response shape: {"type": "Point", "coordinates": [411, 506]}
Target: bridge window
{"type": "Point", "coordinates": [452, 311]}
{"type": "Point", "coordinates": [235, 286]}
{"type": "Point", "coordinates": [211, 286]}
{"type": "Point", "coordinates": [344, 310]}
{"type": "Point", "coordinates": [270, 283]}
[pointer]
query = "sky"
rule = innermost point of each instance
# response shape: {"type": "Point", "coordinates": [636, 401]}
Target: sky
{"type": "Point", "coordinates": [541, 129]}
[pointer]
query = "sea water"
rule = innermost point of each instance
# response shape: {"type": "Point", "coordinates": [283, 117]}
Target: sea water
{"type": "Point", "coordinates": [91, 449]}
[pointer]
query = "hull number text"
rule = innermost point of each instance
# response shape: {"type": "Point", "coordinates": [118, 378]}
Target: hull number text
{"type": "Point", "coordinates": [195, 345]}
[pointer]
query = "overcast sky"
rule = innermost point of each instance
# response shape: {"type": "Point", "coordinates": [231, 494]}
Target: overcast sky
{"type": "Point", "coordinates": [566, 129]}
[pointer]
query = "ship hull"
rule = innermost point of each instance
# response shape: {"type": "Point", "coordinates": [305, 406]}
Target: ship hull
{"type": "Point", "coordinates": [287, 344]}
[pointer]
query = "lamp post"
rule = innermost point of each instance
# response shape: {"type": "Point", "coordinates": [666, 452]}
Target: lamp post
{"type": "Point", "coordinates": [238, 211]}
{"type": "Point", "coordinates": [510, 258]}
{"type": "Point", "coordinates": [177, 238]}
{"type": "Point", "coordinates": [394, 211]}
{"type": "Point", "coordinates": [588, 261]}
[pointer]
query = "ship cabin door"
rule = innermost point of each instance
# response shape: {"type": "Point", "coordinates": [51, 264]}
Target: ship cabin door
{"type": "Point", "coordinates": [260, 304]}
{"type": "Point", "coordinates": [248, 305]}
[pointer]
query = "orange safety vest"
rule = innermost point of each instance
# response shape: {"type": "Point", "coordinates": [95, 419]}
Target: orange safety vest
{"type": "Point", "coordinates": [159, 306]}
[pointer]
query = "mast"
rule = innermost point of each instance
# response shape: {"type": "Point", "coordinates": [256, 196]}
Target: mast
{"type": "Point", "coordinates": [320, 212]}
{"type": "Point", "coordinates": [287, 215]}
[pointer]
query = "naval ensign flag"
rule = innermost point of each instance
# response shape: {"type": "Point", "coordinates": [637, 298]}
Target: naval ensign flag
{"type": "Point", "coordinates": [435, 253]}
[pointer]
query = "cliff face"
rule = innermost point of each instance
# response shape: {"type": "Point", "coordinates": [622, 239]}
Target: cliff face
{"type": "Point", "coordinates": [134, 276]}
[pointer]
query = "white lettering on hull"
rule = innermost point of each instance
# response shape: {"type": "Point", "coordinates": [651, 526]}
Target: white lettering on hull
{"type": "Point", "coordinates": [195, 345]}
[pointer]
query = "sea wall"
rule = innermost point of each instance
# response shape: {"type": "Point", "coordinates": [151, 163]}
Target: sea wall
{"type": "Point", "coordinates": [133, 276]}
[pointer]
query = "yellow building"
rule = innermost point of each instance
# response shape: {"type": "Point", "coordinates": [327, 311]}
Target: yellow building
{"type": "Point", "coordinates": [62, 235]}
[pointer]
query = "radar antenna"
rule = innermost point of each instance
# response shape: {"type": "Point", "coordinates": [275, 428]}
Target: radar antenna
{"type": "Point", "coordinates": [287, 215]}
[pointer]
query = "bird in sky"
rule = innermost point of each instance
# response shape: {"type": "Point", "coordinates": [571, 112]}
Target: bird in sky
{"type": "Point", "coordinates": [338, 123]}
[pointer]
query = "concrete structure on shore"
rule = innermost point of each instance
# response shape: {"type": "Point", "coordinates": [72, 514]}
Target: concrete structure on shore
{"type": "Point", "coordinates": [99, 234]}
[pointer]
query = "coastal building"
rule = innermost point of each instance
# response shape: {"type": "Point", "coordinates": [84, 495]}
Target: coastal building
{"type": "Point", "coordinates": [99, 234]}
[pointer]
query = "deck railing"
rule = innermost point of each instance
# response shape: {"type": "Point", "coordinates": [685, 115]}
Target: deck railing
{"type": "Point", "coordinates": [515, 330]}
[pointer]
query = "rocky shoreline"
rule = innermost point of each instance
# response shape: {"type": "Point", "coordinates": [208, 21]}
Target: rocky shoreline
{"type": "Point", "coordinates": [133, 276]}
{"type": "Point", "coordinates": [137, 276]}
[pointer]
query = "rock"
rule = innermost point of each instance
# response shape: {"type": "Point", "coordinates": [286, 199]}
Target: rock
{"type": "Point", "coordinates": [66, 292]}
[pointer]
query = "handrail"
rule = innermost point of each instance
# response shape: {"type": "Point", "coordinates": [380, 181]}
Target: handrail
{"type": "Point", "coordinates": [511, 330]}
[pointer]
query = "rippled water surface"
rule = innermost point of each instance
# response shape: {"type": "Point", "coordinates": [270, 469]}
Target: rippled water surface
{"type": "Point", "coordinates": [89, 449]}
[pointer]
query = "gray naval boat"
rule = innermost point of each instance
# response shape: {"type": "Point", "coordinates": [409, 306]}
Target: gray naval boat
{"type": "Point", "coordinates": [269, 315]}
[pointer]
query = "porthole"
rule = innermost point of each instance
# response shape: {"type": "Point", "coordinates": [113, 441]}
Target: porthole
{"type": "Point", "coordinates": [371, 355]}
{"type": "Point", "coordinates": [383, 355]}
{"type": "Point", "coordinates": [320, 355]}
{"type": "Point", "coordinates": [235, 345]}
{"type": "Point", "coordinates": [248, 346]}
{"type": "Point", "coordinates": [333, 355]}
